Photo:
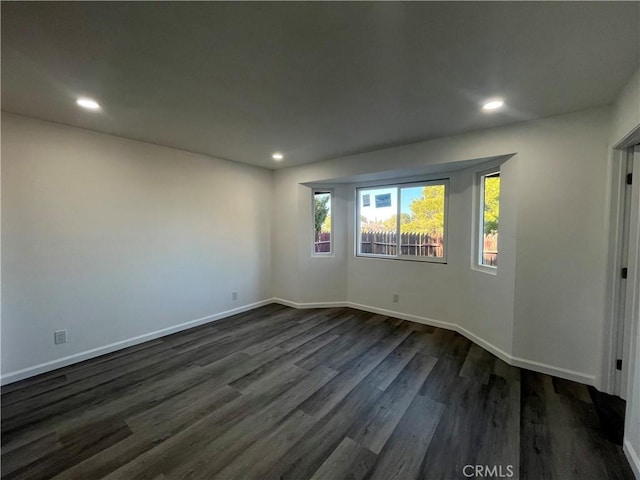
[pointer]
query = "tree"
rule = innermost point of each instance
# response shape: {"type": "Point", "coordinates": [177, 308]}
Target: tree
{"type": "Point", "coordinates": [321, 207]}
{"type": "Point", "coordinates": [427, 212]}
{"type": "Point", "coordinates": [326, 225]}
{"type": "Point", "coordinates": [491, 203]}
{"type": "Point", "coordinates": [391, 222]}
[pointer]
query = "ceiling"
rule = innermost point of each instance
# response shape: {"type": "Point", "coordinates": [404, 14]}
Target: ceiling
{"type": "Point", "coordinates": [312, 80]}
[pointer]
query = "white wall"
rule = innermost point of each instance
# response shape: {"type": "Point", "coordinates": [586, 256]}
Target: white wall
{"type": "Point", "coordinates": [626, 110]}
{"type": "Point", "coordinates": [299, 276]}
{"type": "Point", "coordinates": [562, 242]}
{"type": "Point", "coordinates": [113, 239]}
{"type": "Point", "coordinates": [545, 308]}
{"type": "Point", "coordinates": [480, 302]}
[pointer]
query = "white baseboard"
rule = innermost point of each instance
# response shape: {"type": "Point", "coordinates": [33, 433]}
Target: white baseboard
{"type": "Point", "coordinates": [403, 316]}
{"type": "Point", "coordinates": [555, 371]}
{"type": "Point", "coordinates": [498, 352]}
{"type": "Point", "coordinates": [633, 457]}
{"type": "Point", "coordinates": [96, 352]}
{"type": "Point", "coordinates": [289, 303]}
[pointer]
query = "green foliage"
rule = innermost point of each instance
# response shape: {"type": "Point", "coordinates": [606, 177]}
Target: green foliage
{"type": "Point", "coordinates": [391, 222]}
{"type": "Point", "coordinates": [491, 204]}
{"type": "Point", "coordinates": [321, 208]}
{"type": "Point", "coordinates": [326, 225]}
{"type": "Point", "coordinates": [427, 213]}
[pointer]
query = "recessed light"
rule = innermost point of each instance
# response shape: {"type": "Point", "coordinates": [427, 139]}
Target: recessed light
{"type": "Point", "coordinates": [277, 156]}
{"type": "Point", "coordinates": [492, 104]}
{"type": "Point", "coordinates": [88, 103]}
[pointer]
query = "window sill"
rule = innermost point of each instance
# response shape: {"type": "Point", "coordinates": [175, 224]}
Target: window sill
{"type": "Point", "coordinates": [441, 261]}
{"type": "Point", "coordinates": [323, 255]}
{"type": "Point", "coordinates": [485, 269]}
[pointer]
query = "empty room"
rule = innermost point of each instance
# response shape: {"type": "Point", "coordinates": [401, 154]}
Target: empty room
{"type": "Point", "coordinates": [320, 240]}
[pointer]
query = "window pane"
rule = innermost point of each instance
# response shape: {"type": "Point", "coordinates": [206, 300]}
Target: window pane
{"type": "Point", "coordinates": [378, 221]}
{"type": "Point", "coordinates": [422, 221]}
{"type": "Point", "coordinates": [322, 222]}
{"type": "Point", "coordinates": [490, 217]}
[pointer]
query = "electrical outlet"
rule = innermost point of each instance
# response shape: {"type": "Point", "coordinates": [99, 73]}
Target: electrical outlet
{"type": "Point", "coordinates": [234, 296]}
{"type": "Point", "coordinates": [60, 336]}
{"type": "Point", "coordinates": [396, 298]}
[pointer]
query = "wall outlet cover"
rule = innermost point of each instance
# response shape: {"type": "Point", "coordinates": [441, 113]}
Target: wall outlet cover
{"type": "Point", "coordinates": [60, 336]}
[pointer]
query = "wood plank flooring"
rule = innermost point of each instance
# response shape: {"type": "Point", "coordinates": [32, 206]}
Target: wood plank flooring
{"type": "Point", "coordinates": [324, 394]}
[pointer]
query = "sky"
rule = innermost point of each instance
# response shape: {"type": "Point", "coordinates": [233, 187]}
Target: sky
{"type": "Point", "coordinates": [380, 214]}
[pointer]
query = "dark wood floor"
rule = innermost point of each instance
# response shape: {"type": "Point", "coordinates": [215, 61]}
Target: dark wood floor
{"type": "Point", "coordinates": [278, 393]}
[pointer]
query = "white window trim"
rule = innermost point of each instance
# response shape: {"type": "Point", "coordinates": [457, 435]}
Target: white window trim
{"type": "Point", "coordinates": [330, 253]}
{"type": "Point", "coordinates": [399, 185]}
{"type": "Point", "coordinates": [478, 222]}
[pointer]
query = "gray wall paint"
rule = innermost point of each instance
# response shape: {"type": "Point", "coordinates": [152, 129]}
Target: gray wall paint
{"type": "Point", "coordinates": [112, 238]}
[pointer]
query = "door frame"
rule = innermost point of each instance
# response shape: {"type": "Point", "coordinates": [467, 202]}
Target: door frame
{"type": "Point", "coordinates": [613, 325]}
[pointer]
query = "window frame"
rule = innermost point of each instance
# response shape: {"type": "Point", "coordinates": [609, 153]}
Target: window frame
{"type": "Point", "coordinates": [315, 191]}
{"type": "Point", "coordinates": [478, 229]}
{"type": "Point", "coordinates": [399, 185]}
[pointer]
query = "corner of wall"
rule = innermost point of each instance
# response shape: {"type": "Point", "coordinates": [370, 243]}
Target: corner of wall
{"type": "Point", "coordinates": [626, 111]}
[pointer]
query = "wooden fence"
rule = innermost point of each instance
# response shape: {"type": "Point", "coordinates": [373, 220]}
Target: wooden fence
{"type": "Point", "coordinates": [415, 244]}
{"type": "Point", "coordinates": [490, 250]}
{"type": "Point", "coordinates": [322, 242]}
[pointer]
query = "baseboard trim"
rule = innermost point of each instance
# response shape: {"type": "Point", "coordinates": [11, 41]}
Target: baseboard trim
{"type": "Point", "coordinates": [96, 352]}
{"type": "Point", "coordinates": [633, 457]}
{"type": "Point", "coordinates": [555, 371]}
{"type": "Point", "coordinates": [403, 316]}
{"type": "Point", "coordinates": [498, 352]}
{"type": "Point", "coordinates": [302, 306]}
